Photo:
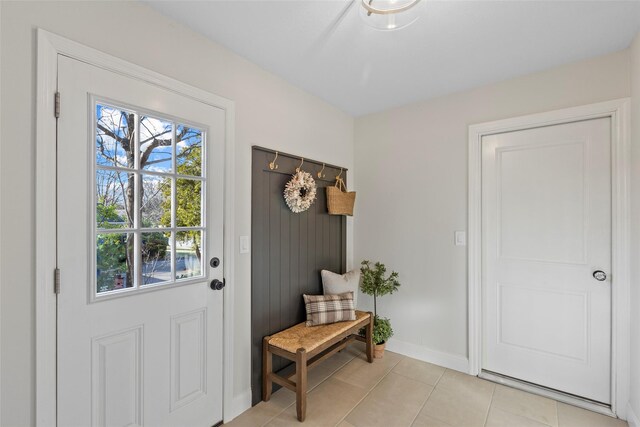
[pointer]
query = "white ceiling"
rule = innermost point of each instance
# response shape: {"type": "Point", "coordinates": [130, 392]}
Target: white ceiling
{"type": "Point", "coordinates": [325, 48]}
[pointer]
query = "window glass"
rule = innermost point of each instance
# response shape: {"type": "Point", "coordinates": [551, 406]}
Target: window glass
{"type": "Point", "coordinates": [149, 213]}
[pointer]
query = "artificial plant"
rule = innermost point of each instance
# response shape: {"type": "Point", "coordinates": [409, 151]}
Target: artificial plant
{"type": "Point", "coordinates": [375, 283]}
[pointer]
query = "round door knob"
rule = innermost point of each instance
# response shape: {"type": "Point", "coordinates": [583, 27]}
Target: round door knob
{"type": "Point", "coordinates": [217, 285]}
{"type": "Point", "coordinates": [600, 275]}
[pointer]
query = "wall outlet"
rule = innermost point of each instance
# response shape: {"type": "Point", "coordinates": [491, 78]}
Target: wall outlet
{"type": "Point", "coordinates": [244, 244]}
{"type": "Point", "coordinates": [460, 238]}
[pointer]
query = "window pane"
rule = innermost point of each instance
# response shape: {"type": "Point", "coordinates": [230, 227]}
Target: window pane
{"type": "Point", "coordinates": [188, 151]}
{"type": "Point", "coordinates": [188, 254]}
{"type": "Point", "coordinates": [114, 199]}
{"type": "Point", "coordinates": [156, 258]}
{"type": "Point", "coordinates": [155, 201]}
{"type": "Point", "coordinates": [155, 144]}
{"type": "Point", "coordinates": [188, 197]}
{"type": "Point", "coordinates": [114, 261]}
{"type": "Point", "coordinates": [115, 130]}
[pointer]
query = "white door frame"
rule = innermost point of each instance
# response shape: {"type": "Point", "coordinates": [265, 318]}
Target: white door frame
{"type": "Point", "coordinates": [49, 47]}
{"type": "Point", "coordinates": [618, 111]}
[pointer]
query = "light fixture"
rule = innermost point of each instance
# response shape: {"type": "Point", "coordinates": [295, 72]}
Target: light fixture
{"type": "Point", "coordinates": [388, 15]}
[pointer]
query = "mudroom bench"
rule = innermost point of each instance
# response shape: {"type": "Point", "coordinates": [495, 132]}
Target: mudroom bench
{"type": "Point", "coordinates": [308, 346]}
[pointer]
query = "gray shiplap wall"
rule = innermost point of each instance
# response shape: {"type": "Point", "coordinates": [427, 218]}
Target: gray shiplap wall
{"type": "Point", "coordinates": [288, 251]}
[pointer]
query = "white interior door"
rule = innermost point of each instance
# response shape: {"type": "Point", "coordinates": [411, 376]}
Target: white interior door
{"type": "Point", "coordinates": [140, 202]}
{"type": "Point", "coordinates": [546, 228]}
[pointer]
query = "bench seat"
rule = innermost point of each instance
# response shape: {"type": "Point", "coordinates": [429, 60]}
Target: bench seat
{"type": "Point", "coordinates": [307, 346]}
{"type": "Point", "coordinates": [312, 337]}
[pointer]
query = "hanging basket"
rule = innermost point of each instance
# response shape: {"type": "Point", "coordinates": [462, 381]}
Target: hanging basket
{"type": "Point", "coordinates": [339, 200]}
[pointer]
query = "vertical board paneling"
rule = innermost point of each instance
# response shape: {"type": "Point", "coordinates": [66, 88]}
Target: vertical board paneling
{"type": "Point", "coordinates": [274, 253]}
{"type": "Point", "coordinates": [294, 268]}
{"type": "Point", "coordinates": [287, 252]}
{"type": "Point", "coordinates": [303, 264]}
{"type": "Point", "coordinates": [259, 282]}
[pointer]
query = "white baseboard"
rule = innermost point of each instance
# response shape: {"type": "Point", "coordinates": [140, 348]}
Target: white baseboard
{"type": "Point", "coordinates": [447, 360]}
{"type": "Point", "coordinates": [632, 418]}
{"type": "Point", "coordinates": [239, 404]}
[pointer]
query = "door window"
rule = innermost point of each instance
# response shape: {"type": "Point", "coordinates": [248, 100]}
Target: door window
{"type": "Point", "coordinates": [149, 186]}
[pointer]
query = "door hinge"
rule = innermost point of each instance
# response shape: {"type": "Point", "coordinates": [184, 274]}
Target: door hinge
{"type": "Point", "coordinates": [56, 108]}
{"type": "Point", "coordinates": [56, 281]}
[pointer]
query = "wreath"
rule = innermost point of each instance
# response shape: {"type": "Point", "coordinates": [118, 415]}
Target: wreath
{"type": "Point", "coordinates": [300, 192]}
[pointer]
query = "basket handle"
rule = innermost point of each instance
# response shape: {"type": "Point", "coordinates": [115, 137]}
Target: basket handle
{"type": "Point", "coordinates": [340, 185]}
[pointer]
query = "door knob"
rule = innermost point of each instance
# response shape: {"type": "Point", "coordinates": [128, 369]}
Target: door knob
{"type": "Point", "coordinates": [217, 285]}
{"type": "Point", "coordinates": [600, 275]}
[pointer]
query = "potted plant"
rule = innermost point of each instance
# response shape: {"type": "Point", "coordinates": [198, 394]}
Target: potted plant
{"type": "Point", "coordinates": [376, 284]}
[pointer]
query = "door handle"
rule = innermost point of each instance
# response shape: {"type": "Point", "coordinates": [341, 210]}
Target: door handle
{"type": "Point", "coordinates": [217, 285]}
{"type": "Point", "coordinates": [600, 275]}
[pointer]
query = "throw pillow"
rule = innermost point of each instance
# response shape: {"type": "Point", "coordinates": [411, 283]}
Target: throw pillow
{"type": "Point", "coordinates": [324, 309]}
{"type": "Point", "coordinates": [333, 283]}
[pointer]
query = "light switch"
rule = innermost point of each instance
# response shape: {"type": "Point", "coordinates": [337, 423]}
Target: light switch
{"type": "Point", "coordinates": [244, 244]}
{"type": "Point", "coordinates": [461, 238]}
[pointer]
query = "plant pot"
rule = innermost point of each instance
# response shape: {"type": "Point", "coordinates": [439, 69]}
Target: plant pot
{"type": "Point", "coordinates": [378, 350]}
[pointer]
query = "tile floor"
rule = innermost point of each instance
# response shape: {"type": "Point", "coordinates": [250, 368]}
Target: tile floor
{"type": "Point", "coordinates": [346, 391]}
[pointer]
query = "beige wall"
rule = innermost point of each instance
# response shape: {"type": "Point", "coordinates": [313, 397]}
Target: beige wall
{"type": "Point", "coordinates": [411, 167]}
{"type": "Point", "coordinates": [269, 112]}
{"type": "Point", "coordinates": [634, 400]}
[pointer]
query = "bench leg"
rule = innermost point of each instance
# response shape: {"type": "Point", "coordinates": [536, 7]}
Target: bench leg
{"type": "Point", "coordinates": [267, 369]}
{"type": "Point", "coordinates": [301, 384]}
{"type": "Point", "coordinates": [369, 338]}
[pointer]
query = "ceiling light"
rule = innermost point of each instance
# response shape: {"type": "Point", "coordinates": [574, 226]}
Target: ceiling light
{"type": "Point", "coordinates": [389, 15]}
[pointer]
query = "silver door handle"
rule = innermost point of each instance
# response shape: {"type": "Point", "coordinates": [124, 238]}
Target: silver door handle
{"type": "Point", "coordinates": [600, 275]}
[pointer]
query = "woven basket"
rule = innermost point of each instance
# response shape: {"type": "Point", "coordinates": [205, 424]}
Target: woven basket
{"type": "Point", "coordinates": [339, 200]}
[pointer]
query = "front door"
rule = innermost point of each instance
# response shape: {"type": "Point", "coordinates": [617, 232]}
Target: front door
{"type": "Point", "coordinates": [546, 256]}
{"type": "Point", "coordinates": [139, 214]}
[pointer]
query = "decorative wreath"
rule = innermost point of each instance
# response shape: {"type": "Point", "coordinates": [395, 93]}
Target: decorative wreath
{"type": "Point", "coordinates": [300, 192]}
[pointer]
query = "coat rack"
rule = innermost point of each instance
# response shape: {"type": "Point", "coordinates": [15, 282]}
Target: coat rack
{"type": "Point", "coordinates": [317, 168]}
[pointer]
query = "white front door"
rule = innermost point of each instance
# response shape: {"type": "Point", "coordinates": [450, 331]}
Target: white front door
{"type": "Point", "coordinates": [139, 208]}
{"type": "Point", "coordinates": [546, 229]}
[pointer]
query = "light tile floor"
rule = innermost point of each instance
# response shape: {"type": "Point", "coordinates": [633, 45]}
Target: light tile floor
{"type": "Point", "coordinates": [346, 391]}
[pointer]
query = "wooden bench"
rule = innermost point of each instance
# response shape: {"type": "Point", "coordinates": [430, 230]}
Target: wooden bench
{"type": "Point", "coordinates": [307, 346]}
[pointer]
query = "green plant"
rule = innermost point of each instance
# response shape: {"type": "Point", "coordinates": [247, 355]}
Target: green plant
{"type": "Point", "coordinates": [381, 330]}
{"type": "Point", "coordinates": [375, 283]}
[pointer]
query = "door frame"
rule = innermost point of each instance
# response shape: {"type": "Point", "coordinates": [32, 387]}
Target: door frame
{"type": "Point", "coordinates": [618, 111]}
{"type": "Point", "coordinates": [49, 47]}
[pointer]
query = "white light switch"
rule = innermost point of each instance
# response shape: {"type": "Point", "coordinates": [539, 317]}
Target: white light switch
{"type": "Point", "coordinates": [461, 238]}
{"type": "Point", "coordinates": [244, 244]}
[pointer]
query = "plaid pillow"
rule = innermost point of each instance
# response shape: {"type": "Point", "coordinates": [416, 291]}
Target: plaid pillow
{"type": "Point", "coordinates": [324, 309]}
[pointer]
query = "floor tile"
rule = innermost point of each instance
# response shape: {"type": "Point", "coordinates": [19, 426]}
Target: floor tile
{"type": "Point", "coordinates": [263, 412]}
{"type": "Point", "coordinates": [395, 401]}
{"type": "Point", "coordinates": [327, 405]}
{"type": "Point", "coordinates": [572, 416]}
{"type": "Point", "coordinates": [499, 418]}
{"type": "Point", "coordinates": [525, 404]}
{"type": "Point", "coordinates": [357, 348]}
{"type": "Point", "coordinates": [397, 391]}
{"type": "Point", "coordinates": [459, 381]}
{"type": "Point", "coordinates": [460, 400]}
{"type": "Point", "coordinates": [327, 368]}
{"type": "Point", "coordinates": [361, 373]}
{"type": "Point", "coordinates": [419, 370]}
{"type": "Point", "coordinates": [424, 420]}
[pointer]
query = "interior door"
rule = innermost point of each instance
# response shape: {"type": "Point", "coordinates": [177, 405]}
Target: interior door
{"type": "Point", "coordinates": [140, 202]}
{"type": "Point", "coordinates": [546, 231]}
